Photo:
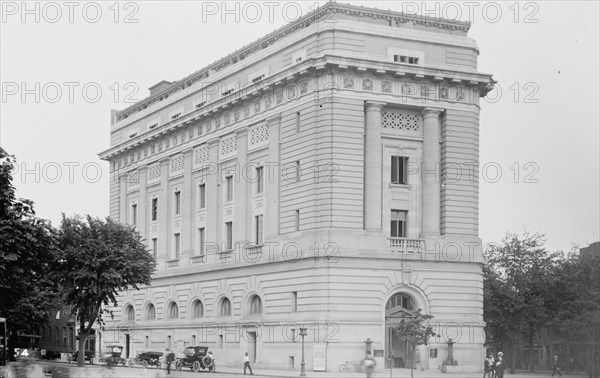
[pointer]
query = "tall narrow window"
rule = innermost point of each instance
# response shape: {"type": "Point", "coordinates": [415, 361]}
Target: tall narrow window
{"type": "Point", "coordinates": [229, 188]}
{"type": "Point", "coordinates": [147, 342]}
{"type": "Point", "coordinates": [177, 202]}
{"type": "Point", "coordinates": [229, 235]}
{"type": "Point", "coordinates": [225, 308]}
{"type": "Point", "coordinates": [202, 195]}
{"type": "Point", "coordinates": [298, 122]}
{"type": "Point", "coordinates": [297, 220]}
{"type": "Point", "coordinates": [155, 248]}
{"type": "Point", "coordinates": [294, 306]}
{"type": "Point", "coordinates": [193, 340]}
{"type": "Point", "coordinates": [258, 237]}
{"type": "Point", "coordinates": [201, 240]}
{"type": "Point", "coordinates": [298, 171]}
{"type": "Point", "coordinates": [398, 223]}
{"type": "Point", "coordinates": [177, 245]}
{"type": "Point", "coordinates": [154, 209]}
{"type": "Point", "coordinates": [259, 179]}
{"type": "Point", "coordinates": [399, 171]}
{"type": "Point", "coordinates": [134, 214]}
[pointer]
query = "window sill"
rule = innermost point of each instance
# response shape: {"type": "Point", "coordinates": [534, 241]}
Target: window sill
{"type": "Point", "coordinates": [401, 186]}
{"type": "Point", "coordinates": [174, 262]}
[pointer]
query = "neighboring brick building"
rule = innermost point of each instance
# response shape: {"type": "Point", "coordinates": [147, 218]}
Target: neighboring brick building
{"type": "Point", "coordinates": [281, 188]}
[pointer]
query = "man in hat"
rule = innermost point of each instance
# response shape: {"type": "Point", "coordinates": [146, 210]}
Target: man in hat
{"type": "Point", "coordinates": [500, 365]}
{"type": "Point", "coordinates": [488, 366]}
{"type": "Point", "coordinates": [555, 366]}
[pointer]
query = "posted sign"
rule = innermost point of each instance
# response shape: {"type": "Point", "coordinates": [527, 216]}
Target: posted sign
{"type": "Point", "coordinates": [320, 357]}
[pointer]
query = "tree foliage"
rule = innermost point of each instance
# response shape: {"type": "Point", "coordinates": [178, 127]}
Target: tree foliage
{"type": "Point", "coordinates": [99, 258]}
{"type": "Point", "coordinates": [27, 253]}
{"type": "Point", "coordinates": [415, 330]}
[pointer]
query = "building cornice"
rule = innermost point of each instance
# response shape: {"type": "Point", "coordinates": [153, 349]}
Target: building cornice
{"type": "Point", "coordinates": [312, 66]}
{"type": "Point", "coordinates": [325, 13]}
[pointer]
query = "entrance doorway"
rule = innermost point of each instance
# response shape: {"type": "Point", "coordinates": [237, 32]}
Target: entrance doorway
{"type": "Point", "coordinates": [398, 354]}
{"type": "Point", "coordinates": [251, 338]}
{"type": "Point", "coordinates": [127, 345]}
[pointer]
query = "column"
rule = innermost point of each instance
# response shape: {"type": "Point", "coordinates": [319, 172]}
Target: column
{"type": "Point", "coordinates": [430, 172]}
{"type": "Point", "coordinates": [164, 249]}
{"type": "Point", "coordinates": [142, 221]}
{"type": "Point", "coordinates": [123, 179]}
{"type": "Point", "coordinates": [272, 177]}
{"type": "Point", "coordinates": [241, 189]}
{"type": "Point", "coordinates": [210, 175]}
{"type": "Point", "coordinates": [373, 161]}
{"type": "Point", "coordinates": [187, 204]}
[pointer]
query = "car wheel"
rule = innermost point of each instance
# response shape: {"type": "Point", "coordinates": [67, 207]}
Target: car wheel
{"type": "Point", "coordinates": [196, 366]}
{"type": "Point", "coordinates": [145, 364]}
{"type": "Point", "coordinates": [207, 361]}
{"type": "Point", "coordinates": [129, 363]}
{"type": "Point", "coordinates": [178, 365]}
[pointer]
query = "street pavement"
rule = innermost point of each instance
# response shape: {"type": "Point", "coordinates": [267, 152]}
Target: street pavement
{"type": "Point", "coordinates": [34, 370]}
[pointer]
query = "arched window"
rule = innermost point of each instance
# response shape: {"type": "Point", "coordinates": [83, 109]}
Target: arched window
{"type": "Point", "coordinates": [173, 311]}
{"type": "Point", "coordinates": [225, 308]}
{"type": "Point", "coordinates": [198, 309]}
{"type": "Point", "coordinates": [255, 305]}
{"type": "Point", "coordinates": [130, 313]}
{"type": "Point", "coordinates": [150, 312]}
{"type": "Point", "coordinates": [400, 300]}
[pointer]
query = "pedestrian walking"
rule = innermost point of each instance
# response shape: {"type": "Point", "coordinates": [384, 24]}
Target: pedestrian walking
{"type": "Point", "coordinates": [488, 366]}
{"type": "Point", "coordinates": [247, 364]}
{"type": "Point", "coordinates": [170, 359]}
{"type": "Point", "coordinates": [369, 365]}
{"type": "Point", "coordinates": [555, 366]}
{"type": "Point", "coordinates": [500, 366]}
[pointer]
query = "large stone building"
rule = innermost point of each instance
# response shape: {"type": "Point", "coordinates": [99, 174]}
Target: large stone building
{"type": "Point", "coordinates": [323, 177]}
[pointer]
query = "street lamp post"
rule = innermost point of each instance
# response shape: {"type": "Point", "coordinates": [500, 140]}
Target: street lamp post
{"type": "Point", "coordinates": [302, 366]}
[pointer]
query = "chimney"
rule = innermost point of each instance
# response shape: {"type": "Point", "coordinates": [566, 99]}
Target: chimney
{"type": "Point", "coordinates": [159, 87]}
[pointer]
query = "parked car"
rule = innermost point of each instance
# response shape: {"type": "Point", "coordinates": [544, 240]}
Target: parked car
{"type": "Point", "coordinates": [89, 356]}
{"type": "Point", "coordinates": [196, 358]}
{"type": "Point", "coordinates": [146, 359]}
{"type": "Point", "coordinates": [112, 355]}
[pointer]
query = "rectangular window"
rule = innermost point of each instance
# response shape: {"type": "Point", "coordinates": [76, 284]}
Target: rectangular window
{"type": "Point", "coordinates": [155, 248]}
{"type": "Point", "coordinates": [201, 240]}
{"type": "Point", "coordinates": [229, 188]}
{"type": "Point", "coordinates": [258, 237]}
{"type": "Point", "coordinates": [406, 59]}
{"type": "Point", "coordinates": [294, 306]}
{"type": "Point", "coordinates": [298, 122]}
{"type": "Point", "coordinates": [193, 340]}
{"type": "Point", "coordinates": [202, 195]}
{"type": "Point", "coordinates": [177, 245]}
{"type": "Point", "coordinates": [260, 179]}
{"type": "Point", "coordinates": [177, 204]}
{"type": "Point", "coordinates": [134, 214]}
{"type": "Point", "coordinates": [399, 171]}
{"type": "Point", "coordinates": [398, 223]}
{"type": "Point", "coordinates": [229, 235]}
{"type": "Point", "coordinates": [154, 209]}
{"type": "Point", "coordinates": [220, 342]}
{"type": "Point", "coordinates": [147, 342]}
{"type": "Point", "coordinates": [298, 171]}
{"type": "Point", "coordinates": [297, 220]}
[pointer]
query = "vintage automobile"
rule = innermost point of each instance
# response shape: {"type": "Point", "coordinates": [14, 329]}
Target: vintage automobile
{"type": "Point", "coordinates": [89, 356]}
{"type": "Point", "coordinates": [112, 355]}
{"type": "Point", "coordinates": [196, 358]}
{"type": "Point", "coordinates": [146, 359]}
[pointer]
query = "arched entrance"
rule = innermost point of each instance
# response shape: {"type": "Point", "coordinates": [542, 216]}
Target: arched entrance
{"type": "Point", "coordinates": [399, 306]}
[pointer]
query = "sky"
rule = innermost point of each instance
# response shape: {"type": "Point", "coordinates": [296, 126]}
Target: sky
{"type": "Point", "coordinates": [65, 65]}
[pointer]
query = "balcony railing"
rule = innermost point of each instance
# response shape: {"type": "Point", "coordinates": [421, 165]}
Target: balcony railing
{"type": "Point", "coordinates": [404, 245]}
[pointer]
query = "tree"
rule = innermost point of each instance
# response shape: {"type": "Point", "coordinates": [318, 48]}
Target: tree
{"type": "Point", "coordinates": [99, 258]}
{"type": "Point", "coordinates": [518, 278]}
{"type": "Point", "coordinates": [415, 330]}
{"type": "Point", "coordinates": [27, 253]}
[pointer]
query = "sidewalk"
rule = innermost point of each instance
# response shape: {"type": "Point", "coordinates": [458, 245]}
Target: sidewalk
{"type": "Point", "coordinates": [396, 373]}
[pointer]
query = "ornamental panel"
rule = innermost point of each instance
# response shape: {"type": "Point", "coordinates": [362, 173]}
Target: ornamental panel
{"type": "Point", "coordinates": [133, 179]}
{"type": "Point", "coordinates": [229, 145]}
{"type": "Point", "coordinates": [401, 121]}
{"type": "Point", "coordinates": [154, 173]}
{"type": "Point", "coordinates": [176, 164]}
{"type": "Point", "coordinates": [259, 134]}
{"type": "Point", "coordinates": [201, 155]}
